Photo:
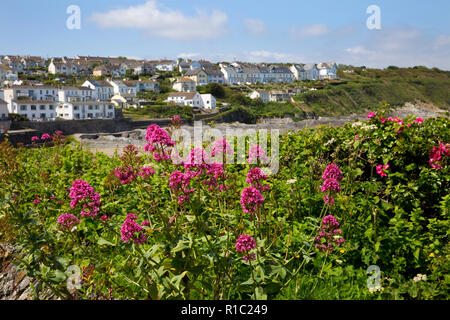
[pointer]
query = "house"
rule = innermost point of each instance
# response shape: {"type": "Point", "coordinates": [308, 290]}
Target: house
{"type": "Point", "coordinates": [183, 66]}
{"type": "Point", "coordinates": [280, 74]}
{"type": "Point", "coordinates": [327, 70]}
{"type": "Point", "coordinates": [263, 95]}
{"type": "Point", "coordinates": [32, 62]}
{"type": "Point", "coordinates": [30, 92]}
{"type": "Point", "coordinates": [64, 68]}
{"type": "Point", "coordinates": [120, 87]}
{"type": "Point", "coordinates": [198, 75]}
{"type": "Point", "coordinates": [3, 110]}
{"type": "Point", "coordinates": [278, 95]}
{"type": "Point", "coordinates": [7, 73]}
{"type": "Point", "coordinates": [214, 75]}
{"type": "Point", "coordinates": [231, 75]}
{"type": "Point", "coordinates": [143, 85]}
{"type": "Point", "coordinates": [195, 65]}
{"type": "Point", "coordinates": [311, 72]}
{"type": "Point", "coordinates": [298, 71]}
{"type": "Point", "coordinates": [207, 101]}
{"type": "Point", "coordinates": [103, 90]}
{"type": "Point", "coordinates": [78, 103]}
{"type": "Point", "coordinates": [185, 84]}
{"type": "Point", "coordinates": [164, 65]}
{"type": "Point", "coordinates": [125, 100]}
{"type": "Point", "coordinates": [192, 99]}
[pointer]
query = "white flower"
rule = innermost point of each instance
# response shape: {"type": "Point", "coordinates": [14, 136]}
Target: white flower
{"type": "Point", "coordinates": [291, 181]}
{"type": "Point", "coordinates": [356, 124]}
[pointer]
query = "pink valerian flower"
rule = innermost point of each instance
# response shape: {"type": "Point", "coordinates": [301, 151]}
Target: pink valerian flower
{"type": "Point", "coordinates": [256, 153]}
{"type": "Point", "coordinates": [329, 235]}
{"type": "Point", "coordinates": [82, 192]}
{"type": "Point", "coordinates": [131, 230]}
{"type": "Point", "coordinates": [356, 137]}
{"type": "Point", "coordinates": [146, 171]}
{"type": "Point", "coordinates": [328, 199]}
{"type": "Point", "coordinates": [221, 146]}
{"type": "Point", "coordinates": [214, 172]}
{"type": "Point", "coordinates": [381, 169]}
{"type": "Point", "coordinates": [67, 221]}
{"type": "Point", "coordinates": [382, 120]}
{"type": "Point", "coordinates": [418, 120]}
{"type": "Point", "coordinates": [371, 115]}
{"type": "Point", "coordinates": [197, 159]}
{"type": "Point", "coordinates": [104, 218]}
{"type": "Point", "coordinates": [36, 201]}
{"type": "Point", "coordinates": [179, 183]}
{"type": "Point", "coordinates": [58, 132]}
{"type": "Point", "coordinates": [332, 171]}
{"type": "Point", "coordinates": [251, 199]}
{"type": "Point", "coordinates": [35, 139]}
{"type": "Point", "coordinates": [158, 140]}
{"type": "Point", "coordinates": [223, 187]}
{"type": "Point", "coordinates": [255, 177]}
{"type": "Point", "coordinates": [125, 174]}
{"type": "Point", "coordinates": [437, 154]}
{"type": "Point", "coordinates": [330, 184]}
{"type": "Point", "coordinates": [176, 121]}
{"type": "Point", "coordinates": [46, 136]}
{"type": "Point", "coordinates": [244, 244]}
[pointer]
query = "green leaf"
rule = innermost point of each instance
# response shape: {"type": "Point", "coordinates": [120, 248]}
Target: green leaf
{"type": "Point", "coordinates": [102, 241]}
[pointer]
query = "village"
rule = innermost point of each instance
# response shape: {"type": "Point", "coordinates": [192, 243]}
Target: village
{"type": "Point", "coordinates": [85, 87]}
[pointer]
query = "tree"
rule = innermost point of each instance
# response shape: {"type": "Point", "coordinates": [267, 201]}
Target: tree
{"type": "Point", "coordinates": [216, 90]}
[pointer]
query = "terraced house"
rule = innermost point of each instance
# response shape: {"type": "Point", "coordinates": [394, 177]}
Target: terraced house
{"type": "Point", "coordinates": [79, 103]}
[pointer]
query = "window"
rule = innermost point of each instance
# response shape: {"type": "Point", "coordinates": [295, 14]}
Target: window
{"type": "Point", "coordinates": [90, 108]}
{"type": "Point", "coordinates": [23, 108]}
{"type": "Point", "coordinates": [33, 107]}
{"type": "Point", "coordinates": [50, 107]}
{"type": "Point", "coordinates": [42, 107]}
{"type": "Point", "coordinates": [43, 115]}
{"type": "Point", "coordinates": [75, 108]}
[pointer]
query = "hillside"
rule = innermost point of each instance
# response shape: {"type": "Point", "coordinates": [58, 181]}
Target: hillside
{"type": "Point", "coordinates": [362, 89]}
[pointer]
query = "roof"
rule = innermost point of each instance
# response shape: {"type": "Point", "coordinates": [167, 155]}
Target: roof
{"type": "Point", "coordinates": [193, 72]}
{"type": "Point", "coordinates": [213, 72]}
{"type": "Point", "coordinates": [34, 101]}
{"type": "Point", "coordinates": [76, 88]}
{"type": "Point", "coordinates": [186, 95]}
{"type": "Point", "coordinates": [309, 66]}
{"type": "Point", "coordinates": [99, 83]}
{"type": "Point", "coordinates": [185, 79]}
{"type": "Point", "coordinates": [324, 65]}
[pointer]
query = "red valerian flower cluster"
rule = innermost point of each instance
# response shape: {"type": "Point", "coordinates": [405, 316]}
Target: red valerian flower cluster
{"type": "Point", "coordinates": [131, 230]}
{"type": "Point", "coordinates": [125, 174]}
{"type": "Point", "coordinates": [82, 192]}
{"type": "Point", "coordinates": [436, 155]}
{"type": "Point", "coordinates": [251, 199]}
{"type": "Point", "coordinates": [329, 236]}
{"type": "Point", "coordinates": [67, 221]}
{"type": "Point", "coordinates": [245, 244]}
{"type": "Point", "coordinates": [332, 175]}
{"type": "Point", "coordinates": [159, 143]}
{"type": "Point", "coordinates": [381, 169]}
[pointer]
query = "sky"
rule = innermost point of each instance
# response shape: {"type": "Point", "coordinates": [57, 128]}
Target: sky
{"type": "Point", "coordinates": [410, 32]}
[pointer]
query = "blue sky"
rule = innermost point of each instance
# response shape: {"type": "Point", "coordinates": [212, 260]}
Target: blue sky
{"type": "Point", "coordinates": [412, 32]}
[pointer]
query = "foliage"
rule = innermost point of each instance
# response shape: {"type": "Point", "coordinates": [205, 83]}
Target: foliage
{"type": "Point", "coordinates": [399, 222]}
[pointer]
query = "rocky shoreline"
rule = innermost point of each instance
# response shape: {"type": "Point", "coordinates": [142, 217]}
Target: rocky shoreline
{"type": "Point", "coordinates": [110, 143]}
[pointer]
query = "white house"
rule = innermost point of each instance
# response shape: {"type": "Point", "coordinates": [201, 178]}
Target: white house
{"type": "Point", "coordinates": [120, 87]}
{"type": "Point", "coordinates": [86, 110]}
{"type": "Point", "coordinates": [7, 73]}
{"type": "Point", "coordinates": [263, 95]}
{"type": "Point", "coordinates": [327, 70]}
{"type": "Point", "coordinates": [185, 84]}
{"type": "Point", "coordinates": [278, 95]}
{"type": "Point", "coordinates": [164, 65]}
{"type": "Point", "coordinates": [208, 101]}
{"type": "Point", "coordinates": [103, 90]}
{"type": "Point", "coordinates": [191, 99]}
{"type": "Point", "coordinates": [3, 109]}
{"type": "Point", "coordinates": [311, 72]}
{"type": "Point", "coordinates": [64, 68]}
{"type": "Point", "coordinates": [143, 85]}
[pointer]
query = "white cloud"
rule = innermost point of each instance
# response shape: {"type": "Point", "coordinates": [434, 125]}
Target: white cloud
{"type": "Point", "coordinates": [401, 47]}
{"type": "Point", "coordinates": [314, 30]}
{"type": "Point", "coordinates": [188, 55]}
{"type": "Point", "coordinates": [164, 22]}
{"type": "Point", "coordinates": [442, 41]}
{"type": "Point", "coordinates": [255, 26]}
